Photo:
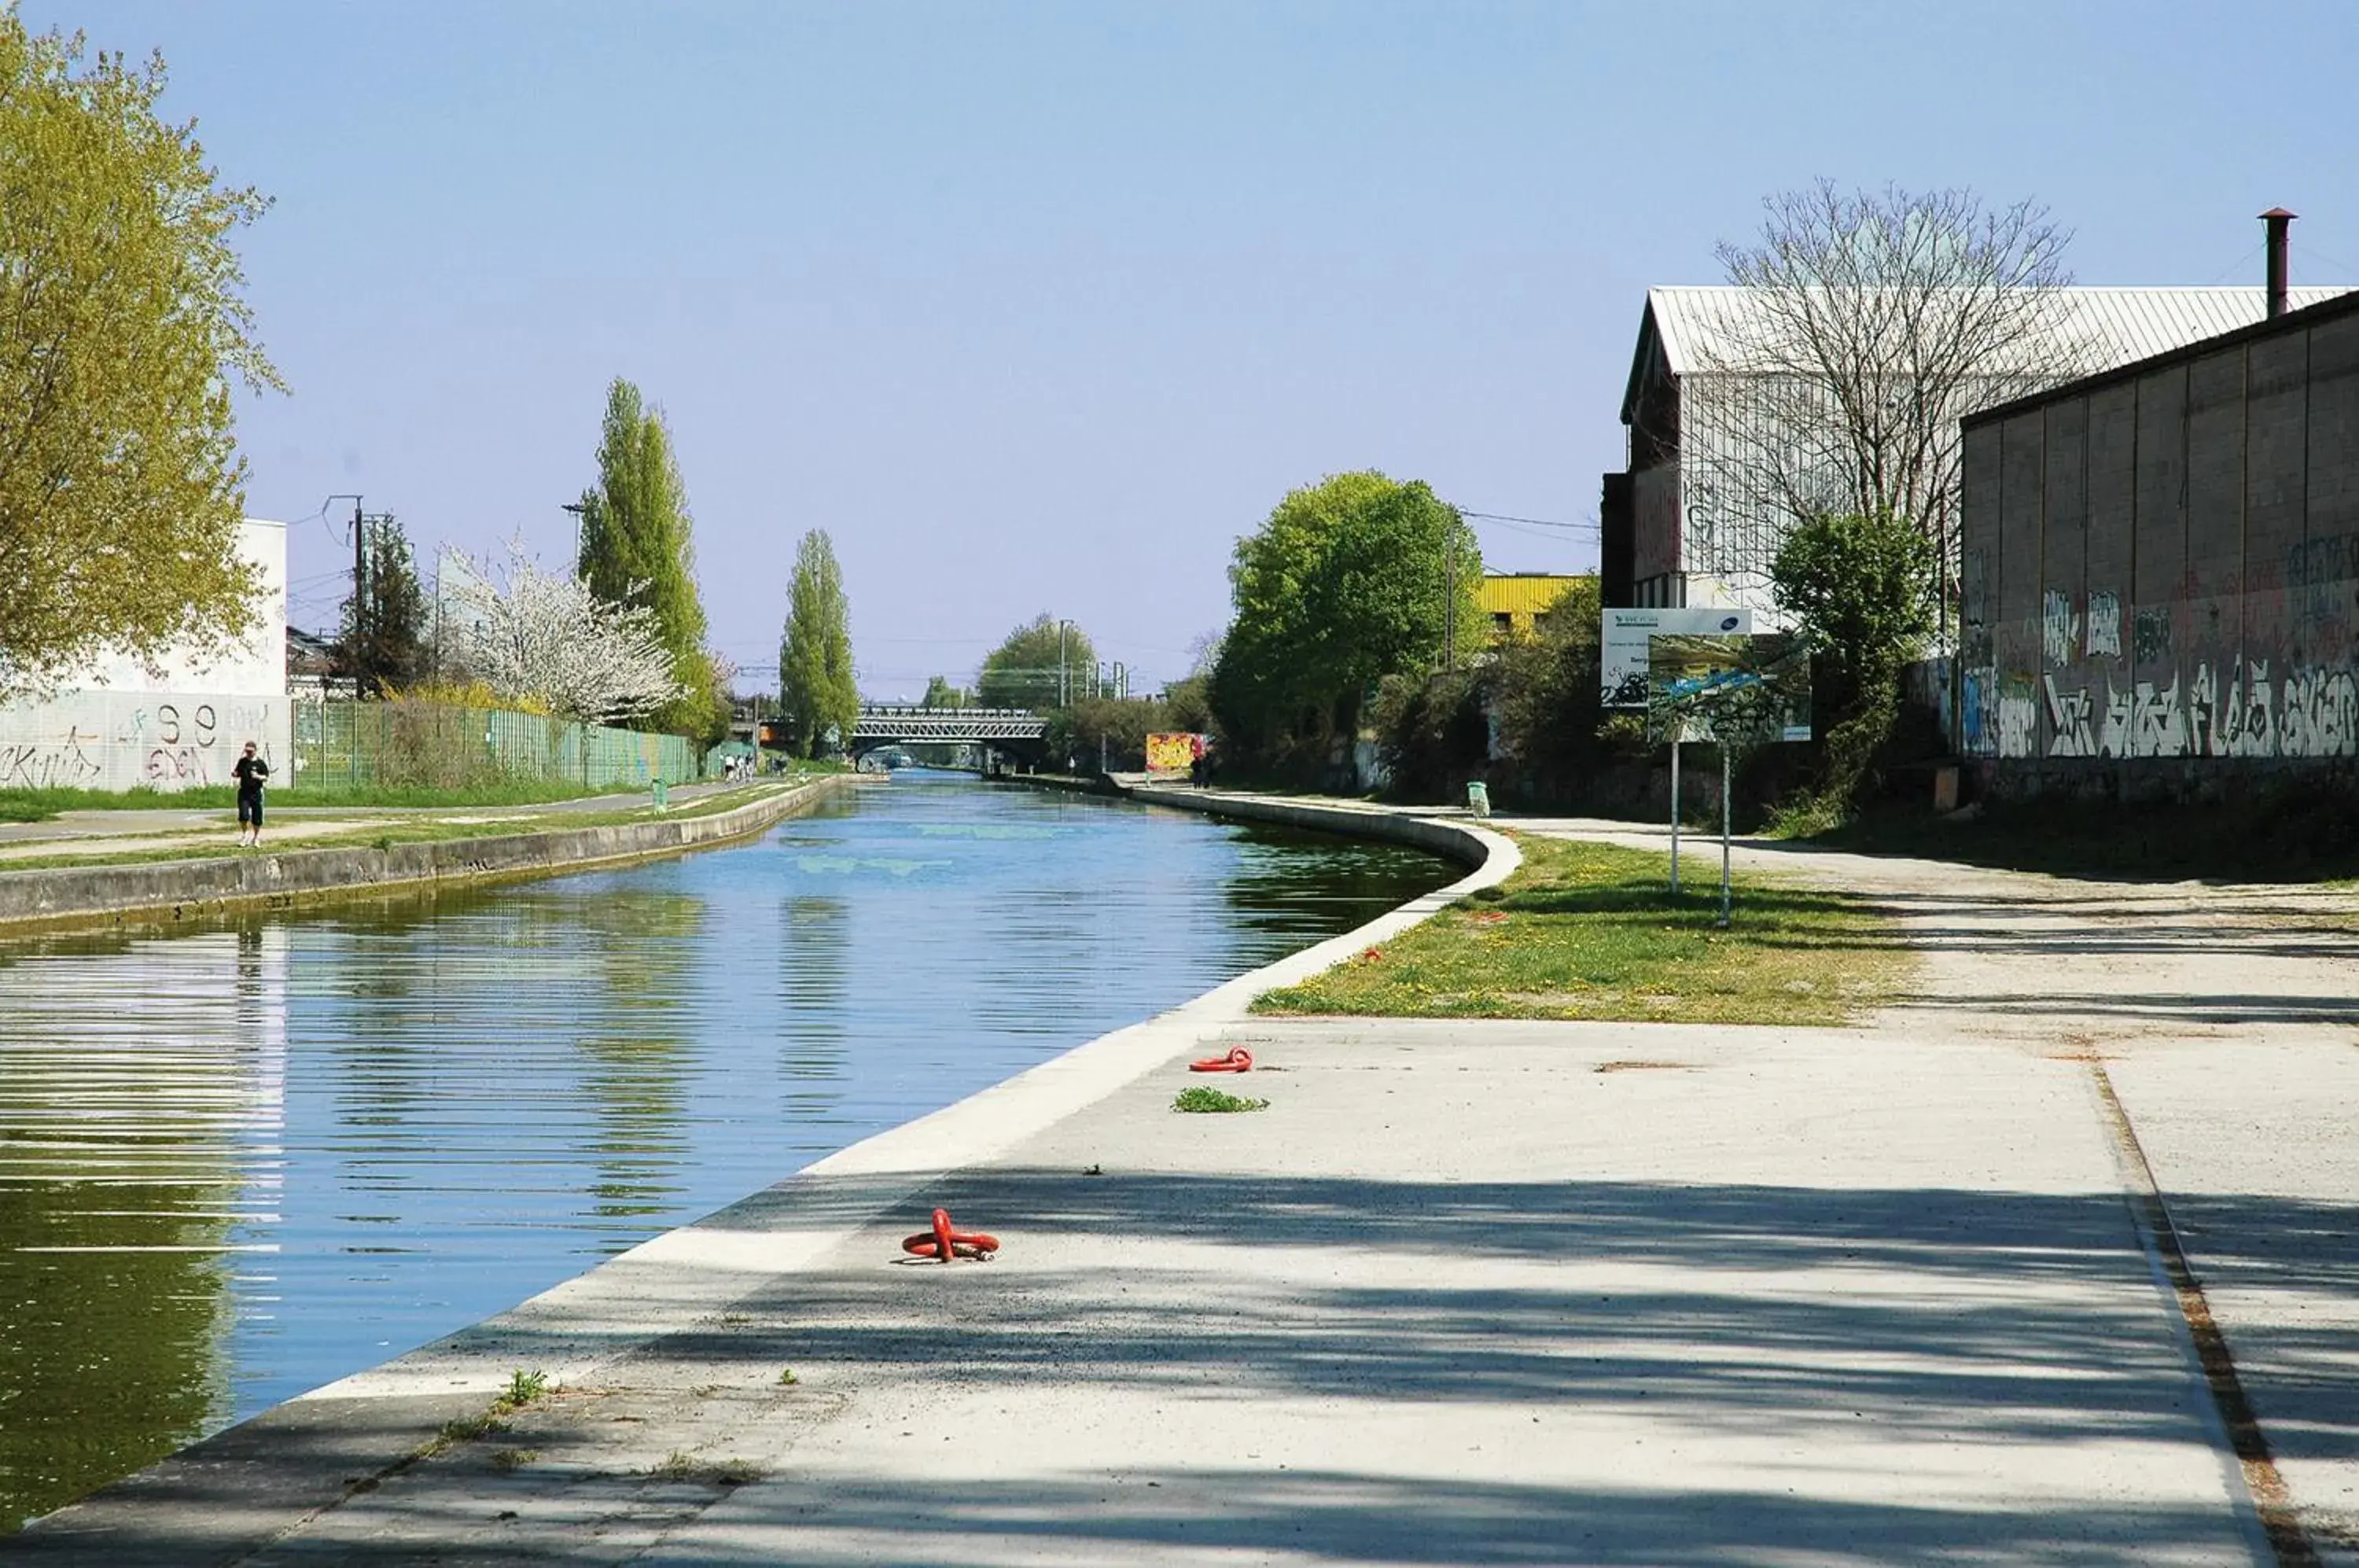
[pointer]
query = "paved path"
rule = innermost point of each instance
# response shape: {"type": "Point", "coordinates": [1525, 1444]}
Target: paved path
{"type": "Point", "coordinates": [1485, 1292]}
{"type": "Point", "coordinates": [102, 832]}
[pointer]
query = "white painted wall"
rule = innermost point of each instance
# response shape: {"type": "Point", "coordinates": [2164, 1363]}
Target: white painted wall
{"type": "Point", "coordinates": [119, 724]}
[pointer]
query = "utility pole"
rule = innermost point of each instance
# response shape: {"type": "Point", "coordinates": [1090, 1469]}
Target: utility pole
{"type": "Point", "coordinates": [1063, 701]}
{"type": "Point", "coordinates": [1449, 598]}
{"type": "Point", "coordinates": [360, 568]}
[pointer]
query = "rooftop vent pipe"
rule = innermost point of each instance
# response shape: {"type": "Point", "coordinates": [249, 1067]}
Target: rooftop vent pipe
{"type": "Point", "coordinates": [2276, 218]}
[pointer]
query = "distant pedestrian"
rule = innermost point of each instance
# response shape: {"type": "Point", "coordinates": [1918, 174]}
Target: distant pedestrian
{"type": "Point", "coordinates": [250, 772]}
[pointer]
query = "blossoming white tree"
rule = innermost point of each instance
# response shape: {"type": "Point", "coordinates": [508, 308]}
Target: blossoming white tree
{"type": "Point", "coordinates": [548, 639]}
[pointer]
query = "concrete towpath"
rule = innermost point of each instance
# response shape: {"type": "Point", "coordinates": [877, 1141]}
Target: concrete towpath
{"type": "Point", "coordinates": [1465, 1292]}
{"type": "Point", "coordinates": [106, 833]}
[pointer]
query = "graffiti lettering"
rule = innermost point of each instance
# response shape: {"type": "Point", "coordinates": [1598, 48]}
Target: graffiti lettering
{"type": "Point", "coordinates": [176, 764]}
{"type": "Point", "coordinates": [2318, 714]}
{"type": "Point", "coordinates": [2057, 627]}
{"type": "Point", "coordinates": [2150, 637]}
{"type": "Point", "coordinates": [2071, 716]}
{"type": "Point", "coordinates": [2018, 720]}
{"type": "Point", "coordinates": [1978, 713]}
{"type": "Point", "coordinates": [66, 766]}
{"type": "Point", "coordinates": [2104, 634]}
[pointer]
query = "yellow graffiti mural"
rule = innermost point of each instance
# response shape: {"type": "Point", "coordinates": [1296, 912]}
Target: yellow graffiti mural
{"type": "Point", "coordinates": [1173, 753]}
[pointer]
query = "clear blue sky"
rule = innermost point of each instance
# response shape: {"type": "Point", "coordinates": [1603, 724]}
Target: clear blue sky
{"type": "Point", "coordinates": [1038, 307]}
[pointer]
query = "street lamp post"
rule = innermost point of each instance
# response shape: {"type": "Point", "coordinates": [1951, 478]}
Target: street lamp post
{"type": "Point", "coordinates": [577, 510]}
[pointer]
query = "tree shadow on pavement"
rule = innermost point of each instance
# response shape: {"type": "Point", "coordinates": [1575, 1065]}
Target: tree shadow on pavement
{"type": "Point", "coordinates": [1798, 1317]}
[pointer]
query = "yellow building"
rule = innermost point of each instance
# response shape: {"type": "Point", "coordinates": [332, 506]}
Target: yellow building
{"type": "Point", "coordinates": [1516, 602]}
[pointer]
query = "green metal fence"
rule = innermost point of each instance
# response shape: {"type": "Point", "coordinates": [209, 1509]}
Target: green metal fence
{"type": "Point", "coordinates": [439, 746]}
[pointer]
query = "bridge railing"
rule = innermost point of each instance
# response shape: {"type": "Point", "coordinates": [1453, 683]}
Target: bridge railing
{"type": "Point", "coordinates": [913, 710]}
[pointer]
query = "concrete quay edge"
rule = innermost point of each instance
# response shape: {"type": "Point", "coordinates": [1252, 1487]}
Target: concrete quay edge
{"type": "Point", "coordinates": [229, 1496]}
{"type": "Point", "coordinates": [165, 892]}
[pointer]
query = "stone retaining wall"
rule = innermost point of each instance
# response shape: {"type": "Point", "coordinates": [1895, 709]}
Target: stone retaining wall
{"type": "Point", "coordinates": [160, 892]}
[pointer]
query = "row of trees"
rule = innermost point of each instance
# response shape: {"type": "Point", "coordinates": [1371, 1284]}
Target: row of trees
{"type": "Point", "coordinates": [619, 639]}
{"type": "Point", "coordinates": [124, 330]}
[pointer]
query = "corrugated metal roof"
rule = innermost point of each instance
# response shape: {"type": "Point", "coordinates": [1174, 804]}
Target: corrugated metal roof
{"type": "Point", "coordinates": [1522, 593]}
{"type": "Point", "coordinates": [1701, 326]}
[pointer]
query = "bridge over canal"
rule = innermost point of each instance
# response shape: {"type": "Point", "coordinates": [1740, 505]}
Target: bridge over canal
{"type": "Point", "coordinates": [1016, 732]}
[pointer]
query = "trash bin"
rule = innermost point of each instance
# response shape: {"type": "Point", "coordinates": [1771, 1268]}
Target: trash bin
{"type": "Point", "coordinates": [1478, 797]}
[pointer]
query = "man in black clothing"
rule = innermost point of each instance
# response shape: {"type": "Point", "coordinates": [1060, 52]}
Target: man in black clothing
{"type": "Point", "coordinates": [249, 772]}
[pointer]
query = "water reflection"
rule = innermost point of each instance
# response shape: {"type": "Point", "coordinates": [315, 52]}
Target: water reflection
{"type": "Point", "coordinates": [139, 1115]}
{"type": "Point", "coordinates": [238, 1163]}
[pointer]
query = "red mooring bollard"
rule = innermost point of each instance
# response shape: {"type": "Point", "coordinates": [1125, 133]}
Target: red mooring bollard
{"type": "Point", "coordinates": [946, 1244]}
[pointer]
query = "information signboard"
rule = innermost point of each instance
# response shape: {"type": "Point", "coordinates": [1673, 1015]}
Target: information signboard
{"type": "Point", "coordinates": [1754, 689]}
{"type": "Point", "coordinates": [1622, 644]}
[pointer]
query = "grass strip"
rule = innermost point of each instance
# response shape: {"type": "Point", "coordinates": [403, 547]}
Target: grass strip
{"type": "Point", "coordinates": [41, 805]}
{"type": "Point", "coordinates": [1592, 930]}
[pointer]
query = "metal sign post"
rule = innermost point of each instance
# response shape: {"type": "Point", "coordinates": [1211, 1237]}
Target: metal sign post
{"type": "Point", "coordinates": [1723, 832]}
{"type": "Point", "coordinates": [1675, 810]}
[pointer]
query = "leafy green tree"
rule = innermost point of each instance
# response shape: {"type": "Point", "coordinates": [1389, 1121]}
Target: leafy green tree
{"type": "Point", "coordinates": [1547, 696]}
{"type": "Point", "coordinates": [124, 327]}
{"type": "Point", "coordinates": [638, 549]}
{"type": "Point", "coordinates": [1044, 663]}
{"type": "Point", "coordinates": [940, 693]}
{"type": "Point", "coordinates": [1113, 728]}
{"type": "Point", "coordinates": [382, 642]}
{"type": "Point", "coordinates": [817, 691]}
{"type": "Point", "coordinates": [1859, 590]}
{"type": "Point", "coordinates": [1351, 580]}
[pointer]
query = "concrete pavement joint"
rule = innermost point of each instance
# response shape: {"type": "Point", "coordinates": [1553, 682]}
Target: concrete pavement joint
{"type": "Point", "coordinates": [2263, 1490]}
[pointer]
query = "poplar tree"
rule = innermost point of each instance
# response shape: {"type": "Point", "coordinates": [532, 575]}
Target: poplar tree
{"type": "Point", "coordinates": [123, 328]}
{"type": "Point", "coordinates": [817, 691]}
{"type": "Point", "coordinates": [638, 549]}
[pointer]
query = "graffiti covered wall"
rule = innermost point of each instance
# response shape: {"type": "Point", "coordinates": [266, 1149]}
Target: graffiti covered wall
{"type": "Point", "coordinates": [2161, 567]}
{"type": "Point", "coordinates": [120, 723]}
{"type": "Point", "coordinates": [121, 740]}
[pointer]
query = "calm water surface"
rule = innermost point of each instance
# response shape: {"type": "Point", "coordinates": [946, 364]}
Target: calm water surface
{"type": "Point", "coordinates": [240, 1163]}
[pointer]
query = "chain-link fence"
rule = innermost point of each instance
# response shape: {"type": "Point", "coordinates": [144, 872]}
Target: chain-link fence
{"type": "Point", "coordinates": [441, 745]}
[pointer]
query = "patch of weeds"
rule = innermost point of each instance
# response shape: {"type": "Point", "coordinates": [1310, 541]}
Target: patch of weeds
{"type": "Point", "coordinates": [679, 1466]}
{"type": "Point", "coordinates": [467, 1429]}
{"type": "Point", "coordinates": [787, 1378]}
{"type": "Point", "coordinates": [735, 1319]}
{"type": "Point", "coordinates": [505, 1460]}
{"type": "Point", "coordinates": [1203, 1099]}
{"type": "Point", "coordinates": [524, 1387]}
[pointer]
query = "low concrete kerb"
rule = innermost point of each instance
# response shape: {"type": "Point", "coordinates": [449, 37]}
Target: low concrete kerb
{"type": "Point", "coordinates": [168, 891]}
{"type": "Point", "coordinates": [237, 1491]}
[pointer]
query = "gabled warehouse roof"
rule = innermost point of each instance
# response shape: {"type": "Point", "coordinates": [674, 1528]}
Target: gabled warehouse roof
{"type": "Point", "coordinates": [1699, 327]}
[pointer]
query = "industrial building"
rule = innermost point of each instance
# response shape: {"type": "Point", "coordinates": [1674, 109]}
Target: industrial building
{"type": "Point", "coordinates": [1687, 522]}
{"type": "Point", "coordinates": [1518, 603]}
{"type": "Point", "coordinates": [2160, 564]}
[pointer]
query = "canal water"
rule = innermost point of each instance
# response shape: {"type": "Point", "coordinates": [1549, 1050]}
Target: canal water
{"type": "Point", "coordinates": [239, 1162]}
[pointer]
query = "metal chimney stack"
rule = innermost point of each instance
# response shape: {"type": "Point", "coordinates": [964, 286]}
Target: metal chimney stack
{"type": "Point", "coordinates": [2276, 218]}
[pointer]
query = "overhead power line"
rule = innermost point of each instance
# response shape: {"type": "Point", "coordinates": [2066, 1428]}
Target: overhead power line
{"type": "Point", "coordinates": [1589, 527]}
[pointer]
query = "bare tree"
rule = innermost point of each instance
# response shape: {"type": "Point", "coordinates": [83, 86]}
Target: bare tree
{"type": "Point", "coordinates": [1869, 323]}
{"type": "Point", "coordinates": [550, 639]}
